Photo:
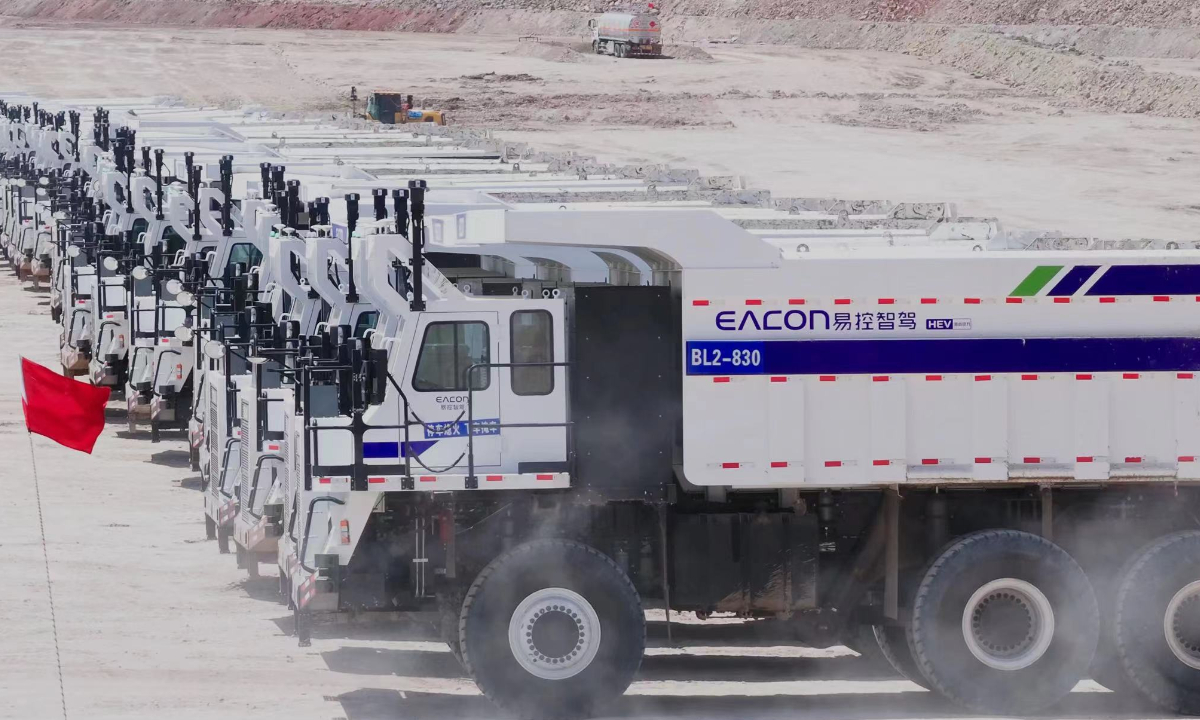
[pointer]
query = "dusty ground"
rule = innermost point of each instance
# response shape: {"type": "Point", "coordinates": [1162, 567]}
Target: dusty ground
{"type": "Point", "coordinates": [798, 121]}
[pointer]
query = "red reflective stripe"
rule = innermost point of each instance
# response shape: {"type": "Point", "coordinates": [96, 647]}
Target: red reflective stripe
{"type": "Point", "coordinates": [731, 466]}
{"type": "Point", "coordinates": [982, 378]}
{"type": "Point", "coordinates": [878, 463]}
{"type": "Point", "coordinates": [828, 378]}
{"type": "Point", "coordinates": [1185, 376]}
{"type": "Point", "coordinates": [1130, 376]}
{"type": "Point", "coordinates": [1161, 298]}
{"type": "Point", "coordinates": [375, 480]}
{"type": "Point", "coordinates": [428, 478]}
{"type": "Point", "coordinates": [494, 478]}
{"type": "Point", "coordinates": [1187, 458]}
{"type": "Point", "coordinates": [699, 303]}
{"type": "Point", "coordinates": [879, 378]}
{"type": "Point", "coordinates": [887, 301]}
{"type": "Point", "coordinates": [720, 379]}
{"type": "Point", "coordinates": [929, 301]}
{"type": "Point", "coordinates": [1132, 459]}
{"type": "Point", "coordinates": [842, 301]}
{"type": "Point", "coordinates": [1084, 376]}
{"type": "Point", "coordinates": [929, 461]}
{"type": "Point", "coordinates": [983, 461]}
{"type": "Point", "coordinates": [1108, 299]}
{"type": "Point", "coordinates": [272, 447]}
{"type": "Point", "coordinates": [324, 481]}
{"type": "Point", "coordinates": [933, 378]}
{"type": "Point", "coordinates": [545, 477]}
{"type": "Point", "coordinates": [778, 378]}
{"type": "Point", "coordinates": [1013, 300]}
{"type": "Point", "coordinates": [833, 463]}
{"type": "Point", "coordinates": [796, 301]}
{"type": "Point", "coordinates": [1084, 459]}
{"type": "Point", "coordinates": [779, 464]}
{"type": "Point", "coordinates": [754, 302]}
{"type": "Point", "coordinates": [1062, 299]}
{"type": "Point", "coordinates": [1029, 377]}
{"type": "Point", "coordinates": [1032, 460]}
{"type": "Point", "coordinates": [971, 301]}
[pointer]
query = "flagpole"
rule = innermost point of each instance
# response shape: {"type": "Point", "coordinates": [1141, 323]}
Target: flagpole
{"type": "Point", "coordinates": [62, 693]}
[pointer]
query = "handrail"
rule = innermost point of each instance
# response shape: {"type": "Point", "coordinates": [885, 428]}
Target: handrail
{"type": "Point", "coordinates": [254, 482]}
{"type": "Point", "coordinates": [468, 376]}
{"type": "Point", "coordinates": [308, 527]}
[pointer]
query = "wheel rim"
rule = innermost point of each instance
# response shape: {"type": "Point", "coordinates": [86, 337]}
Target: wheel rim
{"type": "Point", "coordinates": [1181, 624]}
{"type": "Point", "coordinates": [554, 634]}
{"type": "Point", "coordinates": [1008, 624]}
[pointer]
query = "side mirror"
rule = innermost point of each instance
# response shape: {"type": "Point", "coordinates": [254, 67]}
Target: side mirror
{"type": "Point", "coordinates": [214, 350]}
{"type": "Point", "coordinates": [185, 299]}
{"type": "Point", "coordinates": [174, 286]}
{"type": "Point", "coordinates": [183, 333]}
{"type": "Point", "coordinates": [73, 251]}
{"type": "Point", "coordinates": [111, 264]}
{"type": "Point", "coordinates": [140, 272]}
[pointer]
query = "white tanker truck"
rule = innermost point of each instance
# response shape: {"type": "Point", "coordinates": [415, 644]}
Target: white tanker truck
{"type": "Point", "coordinates": [628, 32]}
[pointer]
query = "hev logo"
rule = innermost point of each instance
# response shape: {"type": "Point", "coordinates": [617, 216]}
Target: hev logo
{"type": "Point", "coordinates": [939, 324]}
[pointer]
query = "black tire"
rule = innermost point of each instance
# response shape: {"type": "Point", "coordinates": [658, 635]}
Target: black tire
{"type": "Point", "coordinates": [622, 50]}
{"type": "Point", "coordinates": [153, 431]}
{"type": "Point", "coordinates": [1161, 573]}
{"type": "Point", "coordinates": [939, 642]}
{"type": "Point", "coordinates": [1106, 665]}
{"type": "Point", "coordinates": [596, 47]}
{"type": "Point", "coordinates": [252, 565]}
{"type": "Point", "coordinates": [892, 641]}
{"type": "Point", "coordinates": [210, 528]}
{"type": "Point", "coordinates": [193, 459]}
{"type": "Point", "coordinates": [449, 610]}
{"type": "Point", "coordinates": [495, 600]}
{"type": "Point", "coordinates": [222, 541]}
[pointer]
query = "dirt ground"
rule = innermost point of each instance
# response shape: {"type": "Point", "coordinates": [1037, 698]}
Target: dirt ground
{"type": "Point", "coordinates": [856, 124]}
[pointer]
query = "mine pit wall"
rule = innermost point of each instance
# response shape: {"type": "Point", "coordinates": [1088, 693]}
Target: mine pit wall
{"type": "Point", "coordinates": [1069, 62]}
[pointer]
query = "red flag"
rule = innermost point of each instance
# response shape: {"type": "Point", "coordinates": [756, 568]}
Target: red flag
{"type": "Point", "coordinates": [67, 411]}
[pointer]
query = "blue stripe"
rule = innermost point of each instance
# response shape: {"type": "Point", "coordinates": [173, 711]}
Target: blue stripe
{"type": "Point", "coordinates": [967, 355]}
{"type": "Point", "coordinates": [388, 450]}
{"type": "Point", "coordinates": [1148, 280]}
{"type": "Point", "coordinates": [1074, 279]}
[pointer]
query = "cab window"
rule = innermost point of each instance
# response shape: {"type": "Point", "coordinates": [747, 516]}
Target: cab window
{"type": "Point", "coordinates": [366, 321]}
{"type": "Point", "coordinates": [245, 253]}
{"type": "Point", "coordinates": [172, 242]}
{"type": "Point", "coordinates": [531, 335]}
{"type": "Point", "coordinates": [447, 350]}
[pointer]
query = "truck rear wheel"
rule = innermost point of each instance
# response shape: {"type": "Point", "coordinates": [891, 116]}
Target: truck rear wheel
{"type": "Point", "coordinates": [893, 644]}
{"type": "Point", "coordinates": [1004, 622]}
{"type": "Point", "coordinates": [210, 528]}
{"type": "Point", "coordinates": [1158, 622]}
{"type": "Point", "coordinates": [552, 629]}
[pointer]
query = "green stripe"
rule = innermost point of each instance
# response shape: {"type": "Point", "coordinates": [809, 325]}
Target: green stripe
{"type": "Point", "coordinates": [1036, 280]}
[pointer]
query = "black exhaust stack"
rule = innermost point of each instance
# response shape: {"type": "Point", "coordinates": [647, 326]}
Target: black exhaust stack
{"type": "Point", "coordinates": [416, 192]}
{"type": "Point", "coordinates": [351, 225]}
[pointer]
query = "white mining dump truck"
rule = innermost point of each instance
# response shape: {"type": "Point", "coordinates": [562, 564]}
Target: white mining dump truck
{"type": "Point", "coordinates": [627, 33]}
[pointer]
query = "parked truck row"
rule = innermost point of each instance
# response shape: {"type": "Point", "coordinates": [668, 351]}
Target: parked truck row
{"type": "Point", "coordinates": [535, 396]}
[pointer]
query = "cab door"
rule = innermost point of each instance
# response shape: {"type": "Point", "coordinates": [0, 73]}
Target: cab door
{"type": "Point", "coordinates": [445, 346]}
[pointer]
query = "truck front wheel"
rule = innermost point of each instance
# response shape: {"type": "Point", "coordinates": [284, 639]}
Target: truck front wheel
{"type": "Point", "coordinates": [1004, 622]}
{"type": "Point", "coordinates": [894, 646]}
{"type": "Point", "coordinates": [552, 629]}
{"type": "Point", "coordinates": [1158, 622]}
